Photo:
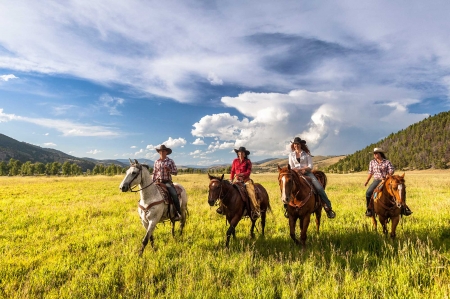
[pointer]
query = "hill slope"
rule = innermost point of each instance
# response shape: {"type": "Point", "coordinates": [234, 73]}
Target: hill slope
{"type": "Point", "coordinates": [422, 145]}
{"type": "Point", "coordinates": [22, 151]}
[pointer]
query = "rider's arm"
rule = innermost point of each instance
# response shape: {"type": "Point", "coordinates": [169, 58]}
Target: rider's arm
{"type": "Point", "coordinates": [233, 170]}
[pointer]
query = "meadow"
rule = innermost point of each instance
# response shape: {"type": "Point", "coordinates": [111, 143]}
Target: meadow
{"type": "Point", "coordinates": [78, 237]}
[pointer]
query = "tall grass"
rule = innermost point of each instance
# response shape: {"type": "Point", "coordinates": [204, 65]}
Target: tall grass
{"type": "Point", "coordinates": [79, 237]}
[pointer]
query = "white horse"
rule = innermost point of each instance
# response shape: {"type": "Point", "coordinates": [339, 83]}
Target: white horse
{"type": "Point", "coordinates": [152, 208]}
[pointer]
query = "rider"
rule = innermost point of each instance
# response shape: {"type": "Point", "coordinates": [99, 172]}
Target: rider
{"type": "Point", "coordinates": [163, 169]}
{"type": "Point", "coordinates": [380, 168]}
{"type": "Point", "coordinates": [300, 160]}
{"type": "Point", "coordinates": [241, 169]}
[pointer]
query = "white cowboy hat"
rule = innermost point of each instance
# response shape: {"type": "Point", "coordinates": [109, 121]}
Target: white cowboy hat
{"type": "Point", "coordinates": [378, 150]}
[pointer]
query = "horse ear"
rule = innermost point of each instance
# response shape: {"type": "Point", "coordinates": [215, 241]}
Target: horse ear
{"type": "Point", "coordinates": [209, 176]}
{"type": "Point", "coordinates": [222, 177]}
{"type": "Point", "coordinates": [279, 168]}
{"type": "Point", "coordinates": [289, 166]}
{"type": "Point", "coordinates": [403, 175]}
{"type": "Point", "coordinates": [131, 162]}
{"type": "Point", "coordinates": [136, 162]}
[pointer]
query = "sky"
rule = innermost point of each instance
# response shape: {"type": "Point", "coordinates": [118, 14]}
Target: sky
{"type": "Point", "coordinates": [116, 79]}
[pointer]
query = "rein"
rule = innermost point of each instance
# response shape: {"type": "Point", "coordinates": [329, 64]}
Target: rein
{"type": "Point", "coordinates": [140, 172]}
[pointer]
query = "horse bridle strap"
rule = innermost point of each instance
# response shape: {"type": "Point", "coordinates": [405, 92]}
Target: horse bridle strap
{"type": "Point", "coordinates": [140, 172]}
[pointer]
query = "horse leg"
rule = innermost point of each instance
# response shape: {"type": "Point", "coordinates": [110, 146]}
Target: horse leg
{"type": "Point", "coordinates": [232, 229]}
{"type": "Point", "coordinates": [263, 221]}
{"type": "Point", "coordinates": [304, 223]}
{"type": "Point", "coordinates": [252, 229]}
{"type": "Point", "coordinates": [395, 221]}
{"type": "Point", "coordinates": [383, 221]}
{"type": "Point", "coordinates": [150, 225]}
{"type": "Point", "coordinates": [292, 222]}
{"type": "Point", "coordinates": [374, 222]}
{"type": "Point", "coordinates": [318, 214]}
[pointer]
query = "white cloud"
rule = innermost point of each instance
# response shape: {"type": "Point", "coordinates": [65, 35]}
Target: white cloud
{"type": "Point", "coordinates": [174, 143]}
{"type": "Point", "coordinates": [327, 120]}
{"type": "Point", "coordinates": [199, 141]}
{"type": "Point", "coordinates": [66, 127]}
{"type": "Point", "coordinates": [7, 77]}
{"type": "Point", "coordinates": [94, 152]}
{"type": "Point", "coordinates": [214, 79]}
{"type": "Point", "coordinates": [133, 146]}
{"type": "Point", "coordinates": [49, 144]}
{"type": "Point", "coordinates": [111, 103]}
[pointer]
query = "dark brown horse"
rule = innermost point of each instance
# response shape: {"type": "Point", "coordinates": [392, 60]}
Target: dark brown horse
{"type": "Point", "coordinates": [233, 205]}
{"type": "Point", "coordinates": [388, 199]}
{"type": "Point", "coordinates": [301, 198]}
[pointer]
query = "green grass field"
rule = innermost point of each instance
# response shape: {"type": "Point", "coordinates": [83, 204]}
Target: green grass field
{"type": "Point", "coordinates": [79, 238]}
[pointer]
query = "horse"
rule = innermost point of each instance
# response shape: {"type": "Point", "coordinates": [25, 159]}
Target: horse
{"type": "Point", "coordinates": [301, 198]}
{"type": "Point", "coordinates": [153, 205]}
{"type": "Point", "coordinates": [388, 199]}
{"type": "Point", "coordinates": [233, 205]}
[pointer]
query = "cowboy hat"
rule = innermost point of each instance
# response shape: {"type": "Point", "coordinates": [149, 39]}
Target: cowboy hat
{"type": "Point", "coordinates": [242, 149]}
{"type": "Point", "coordinates": [164, 148]}
{"type": "Point", "coordinates": [298, 140]}
{"type": "Point", "coordinates": [378, 150]}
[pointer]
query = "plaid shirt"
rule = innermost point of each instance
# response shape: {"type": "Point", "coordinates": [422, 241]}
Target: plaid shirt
{"type": "Point", "coordinates": [159, 171]}
{"type": "Point", "coordinates": [244, 168]}
{"type": "Point", "coordinates": [380, 170]}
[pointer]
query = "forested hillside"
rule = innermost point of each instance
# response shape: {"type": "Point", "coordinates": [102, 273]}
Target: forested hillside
{"type": "Point", "coordinates": [423, 145]}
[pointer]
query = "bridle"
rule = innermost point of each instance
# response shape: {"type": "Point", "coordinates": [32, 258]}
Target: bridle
{"type": "Point", "coordinates": [400, 189]}
{"type": "Point", "coordinates": [221, 189]}
{"type": "Point", "coordinates": [297, 176]}
{"type": "Point", "coordinates": [135, 176]}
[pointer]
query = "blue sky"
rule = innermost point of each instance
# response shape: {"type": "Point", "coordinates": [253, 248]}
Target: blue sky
{"type": "Point", "coordinates": [115, 79]}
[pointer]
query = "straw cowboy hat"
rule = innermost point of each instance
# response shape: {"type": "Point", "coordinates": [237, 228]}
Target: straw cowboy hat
{"type": "Point", "coordinates": [164, 148]}
{"type": "Point", "coordinates": [298, 140]}
{"type": "Point", "coordinates": [378, 150]}
{"type": "Point", "coordinates": [242, 149]}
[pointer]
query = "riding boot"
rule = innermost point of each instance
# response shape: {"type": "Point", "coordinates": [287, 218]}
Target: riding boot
{"type": "Point", "coordinates": [330, 213]}
{"type": "Point", "coordinates": [219, 210]}
{"type": "Point", "coordinates": [405, 210]}
{"type": "Point", "coordinates": [369, 211]}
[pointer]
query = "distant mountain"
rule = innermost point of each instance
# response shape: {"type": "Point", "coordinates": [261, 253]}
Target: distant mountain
{"type": "Point", "coordinates": [126, 162]}
{"type": "Point", "coordinates": [423, 145]}
{"type": "Point", "coordinates": [22, 151]}
{"type": "Point", "coordinates": [108, 162]}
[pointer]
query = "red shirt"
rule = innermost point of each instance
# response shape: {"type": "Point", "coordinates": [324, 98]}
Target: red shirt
{"type": "Point", "coordinates": [244, 168]}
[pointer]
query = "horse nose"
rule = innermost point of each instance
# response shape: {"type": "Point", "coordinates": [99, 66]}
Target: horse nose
{"type": "Point", "coordinates": [123, 188]}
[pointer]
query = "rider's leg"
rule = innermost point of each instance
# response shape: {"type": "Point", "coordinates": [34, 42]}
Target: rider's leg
{"type": "Point", "coordinates": [323, 195]}
{"type": "Point", "coordinates": [251, 193]}
{"type": "Point", "coordinates": [174, 195]}
{"type": "Point", "coordinates": [369, 193]}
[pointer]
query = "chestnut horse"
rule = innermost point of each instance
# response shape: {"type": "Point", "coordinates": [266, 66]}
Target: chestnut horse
{"type": "Point", "coordinates": [301, 198]}
{"type": "Point", "coordinates": [388, 198]}
{"type": "Point", "coordinates": [233, 206]}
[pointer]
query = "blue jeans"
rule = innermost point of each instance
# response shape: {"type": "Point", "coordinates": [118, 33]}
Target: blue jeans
{"type": "Point", "coordinates": [319, 189]}
{"type": "Point", "coordinates": [370, 191]}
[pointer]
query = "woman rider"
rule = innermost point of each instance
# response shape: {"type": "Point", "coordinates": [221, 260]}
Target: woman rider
{"type": "Point", "coordinates": [300, 159]}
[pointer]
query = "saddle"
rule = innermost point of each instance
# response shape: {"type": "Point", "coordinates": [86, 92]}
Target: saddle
{"type": "Point", "coordinates": [300, 203]}
{"type": "Point", "coordinates": [240, 186]}
{"type": "Point", "coordinates": [162, 188]}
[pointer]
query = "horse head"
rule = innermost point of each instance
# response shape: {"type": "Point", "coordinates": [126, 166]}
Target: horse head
{"type": "Point", "coordinates": [286, 182]}
{"type": "Point", "coordinates": [132, 177]}
{"type": "Point", "coordinates": [396, 188]}
{"type": "Point", "coordinates": [215, 189]}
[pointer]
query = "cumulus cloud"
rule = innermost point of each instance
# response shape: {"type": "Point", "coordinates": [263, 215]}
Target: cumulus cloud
{"type": "Point", "coordinates": [327, 120]}
{"type": "Point", "coordinates": [199, 141]}
{"type": "Point", "coordinates": [66, 127]}
{"type": "Point", "coordinates": [7, 77]}
{"type": "Point", "coordinates": [174, 143]}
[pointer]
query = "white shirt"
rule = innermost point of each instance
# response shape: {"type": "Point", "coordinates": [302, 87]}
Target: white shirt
{"type": "Point", "coordinates": [305, 160]}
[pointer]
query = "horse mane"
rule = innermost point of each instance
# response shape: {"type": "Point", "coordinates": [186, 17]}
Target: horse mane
{"type": "Point", "coordinates": [137, 165]}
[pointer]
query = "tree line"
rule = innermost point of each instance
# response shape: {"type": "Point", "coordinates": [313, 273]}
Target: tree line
{"type": "Point", "coordinates": [15, 167]}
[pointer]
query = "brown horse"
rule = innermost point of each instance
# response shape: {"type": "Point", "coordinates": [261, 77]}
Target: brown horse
{"type": "Point", "coordinates": [233, 205]}
{"type": "Point", "coordinates": [389, 197]}
{"type": "Point", "coordinates": [302, 199]}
